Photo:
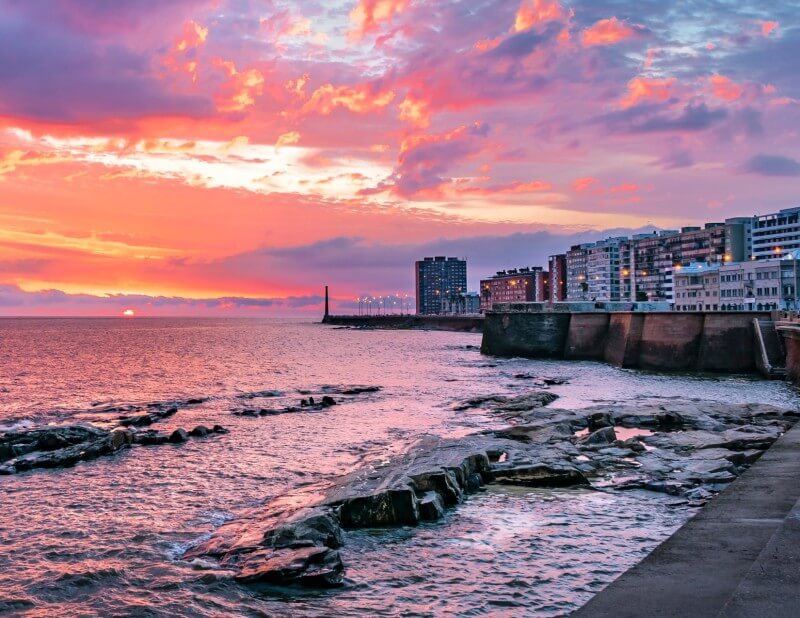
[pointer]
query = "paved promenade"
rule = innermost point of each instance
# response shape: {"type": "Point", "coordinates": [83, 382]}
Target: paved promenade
{"type": "Point", "coordinates": [738, 557]}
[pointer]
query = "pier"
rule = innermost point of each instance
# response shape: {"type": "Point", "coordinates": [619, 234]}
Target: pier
{"type": "Point", "coordinates": [457, 323]}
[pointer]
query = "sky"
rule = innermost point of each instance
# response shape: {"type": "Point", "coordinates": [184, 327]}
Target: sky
{"type": "Point", "coordinates": [231, 157]}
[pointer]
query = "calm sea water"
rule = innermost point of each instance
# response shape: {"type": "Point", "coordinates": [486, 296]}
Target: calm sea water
{"type": "Point", "coordinates": [104, 538]}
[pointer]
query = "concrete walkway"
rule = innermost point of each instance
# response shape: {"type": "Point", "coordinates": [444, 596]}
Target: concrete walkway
{"type": "Point", "coordinates": [739, 556]}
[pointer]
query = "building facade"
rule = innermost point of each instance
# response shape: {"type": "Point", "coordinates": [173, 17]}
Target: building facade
{"type": "Point", "coordinates": [466, 303]}
{"type": "Point", "coordinates": [577, 284]}
{"type": "Point", "coordinates": [516, 285]}
{"type": "Point", "coordinates": [603, 269]}
{"type": "Point", "coordinates": [697, 287]}
{"type": "Point", "coordinates": [557, 277]}
{"type": "Point", "coordinates": [776, 234]}
{"type": "Point", "coordinates": [438, 278]}
{"type": "Point", "coordinates": [760, 284]}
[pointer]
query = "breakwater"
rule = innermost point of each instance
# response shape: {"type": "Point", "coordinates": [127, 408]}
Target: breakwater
{"type": "Point", "coordinates": [655, 340]}
{"type": "Point", "coordinates": [456, 323]}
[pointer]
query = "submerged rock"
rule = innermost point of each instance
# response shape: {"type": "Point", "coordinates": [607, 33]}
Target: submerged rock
{"type": "Point", "coordinates": [308, 566]}
{"type": "Point", "coordinates": [66, 445]}
{"type": "Point", "coordinates": [58, 447]}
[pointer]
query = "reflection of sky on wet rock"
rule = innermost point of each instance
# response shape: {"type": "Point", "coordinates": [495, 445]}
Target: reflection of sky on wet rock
{"type": "Point", "coordinates": [119, 522]}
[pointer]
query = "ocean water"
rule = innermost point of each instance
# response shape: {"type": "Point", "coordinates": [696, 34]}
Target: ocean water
{"type": "Point", "coordinates": [105, 538]}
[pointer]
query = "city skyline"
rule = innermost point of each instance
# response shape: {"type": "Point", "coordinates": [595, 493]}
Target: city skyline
{"type": "Point", "coordinates": [229, 157]}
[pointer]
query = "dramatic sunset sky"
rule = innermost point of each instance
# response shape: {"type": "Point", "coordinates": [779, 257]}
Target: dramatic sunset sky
{"type": "Point", "coordinates": [214, 157]}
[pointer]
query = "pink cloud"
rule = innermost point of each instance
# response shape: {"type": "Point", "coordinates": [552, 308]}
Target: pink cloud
{"type": "Point", "coordinates": [360, 99]}
{"type": "Point", "coordinates": [607, 32]}
{"type": "Point", "coordinates": [368, 15]}
{"type": "Point", "coordinates": [241, 89]}
{"type": "Point", "coordinates": [724, 88]}
{"type": "Point", "coordinates": [534, 12]}
{"type": "Point", "coordinates": [581, 185]}
{"type": "Point", "coordinates": [768, 27]}
{"type": "Point", "coordinates": [647, 89]}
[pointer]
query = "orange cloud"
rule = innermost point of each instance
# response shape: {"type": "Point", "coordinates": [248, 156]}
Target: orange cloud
{"type": "Point", "coordinates": [533, 12]}
{"type": "Point", "coordinates": [768, 27]}
{"type": "Point", "coordinates": [581, 185]}
{"type": "Point", "coordinates": [298, 86]}
{"type": "Point", "coordinates": [606, 32]}
{"type": "Point", "coordinates": [415, 112]}
{"type": "Point", "coordinates": [368, 15]}
{"type": "Point", "coordinates": [241, 89]}
{"type": "Point", "coordinates": [194, 35]}
{"type": "Point", "coordinates": [15, 159]}
{"type": "Point", "coordinates": [647, 89]}
{"type": "Point", "coordinates": [485, 45]}
{"type": "Point", "coordinates": [514, 188]}
{"type": "Point", "coordinates": [724, 88]}
{"type": "Point", "coordinates": [357, 99]}
{"type": "Point", "coordinates": [286, 139]}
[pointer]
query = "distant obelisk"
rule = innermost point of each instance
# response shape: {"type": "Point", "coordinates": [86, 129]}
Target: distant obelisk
{"type": "Point", "coordinates": [326, 301]}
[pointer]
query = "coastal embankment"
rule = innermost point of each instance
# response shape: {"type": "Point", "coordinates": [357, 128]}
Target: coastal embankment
{"type": "Point", "coordinates": [454, 323]}
{"type": "Point", "coordinates": [654, 340]}
{"type": "Point", "coordinates": [737, 557]}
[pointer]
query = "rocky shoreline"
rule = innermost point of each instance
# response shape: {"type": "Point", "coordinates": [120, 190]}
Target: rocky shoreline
{"type": "Point", "coordinates": [689, 449]}
{"type": "Point", "coordinates": [63, 446]}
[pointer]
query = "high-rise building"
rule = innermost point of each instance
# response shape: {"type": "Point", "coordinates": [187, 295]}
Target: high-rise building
{"type": "Point", "coordinates": [603, 269]}
{"type": "Point", "coordinates": [515, 285]}
{"type": "Point", "coordinates": [557, 269]}
{"type": "Point", "coordinates": [775, 234]}
{"type": "Point", "coordinates": [438, 278]}
{"type": "Point", "coordinates": [577, 259]}
{"type": "Point", "coordinates": [739, 239]}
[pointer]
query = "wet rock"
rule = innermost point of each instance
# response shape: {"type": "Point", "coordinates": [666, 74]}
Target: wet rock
{"type": "Point", "coordinates": [219, 429]}
{"type": "Point", "coordinates": [358, 390]}
{"type": "Point", "coordinates": [631, 443]}
{"type": "Point", "coordinates": [178, 436]}
{"type": "Point", "coordinates": [599, 420]}
{"type": "Point", "coordinates": [431, 506]}
{"type": "Point", "coordinates": [259, 394]}
{"type": "Point", "coordinates": [327, 401]}
{"type": "Point", "coordinates": [140, 420]}
{"type": "Point", "coordinates": [443, 482]}
{"type": "Point", "coordinates": [150, 438]}
{"type": "Point", "coordinates": [201, 431]}
{"type": "Point", "coordinates": [307, 566]}
{"type": "Point", "coordinates": [393, 507]}
{"type": "Point", "coordinates": [308, 528]}
{"type": "Point", "coordinates": [71, 455]}
{"type": "Point", "coordinates": [540, 476]}
{"type": "Point", "coordinates": [509, 405]}
{"type": "Point", "coordinates": [196, 400]}
{"type": "Point", "coordinates": [606, 435]}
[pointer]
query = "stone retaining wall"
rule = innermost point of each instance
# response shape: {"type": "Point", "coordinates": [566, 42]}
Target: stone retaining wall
{"type": "Point", "coordinates": [663, 341]}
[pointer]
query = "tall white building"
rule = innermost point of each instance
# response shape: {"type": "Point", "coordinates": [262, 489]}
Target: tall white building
{"type": "Point", "coordinates": [603, 269]}
{"type": "Point", "coordinates": [775, 234]}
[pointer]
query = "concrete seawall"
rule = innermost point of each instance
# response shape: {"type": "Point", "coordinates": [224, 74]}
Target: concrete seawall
{"type": "Point", "coordinates": [662, 341]}
{"type": "Point", "coordinates": [456, 323]}
{"type": "Point", "coordinates": [737, 557]}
